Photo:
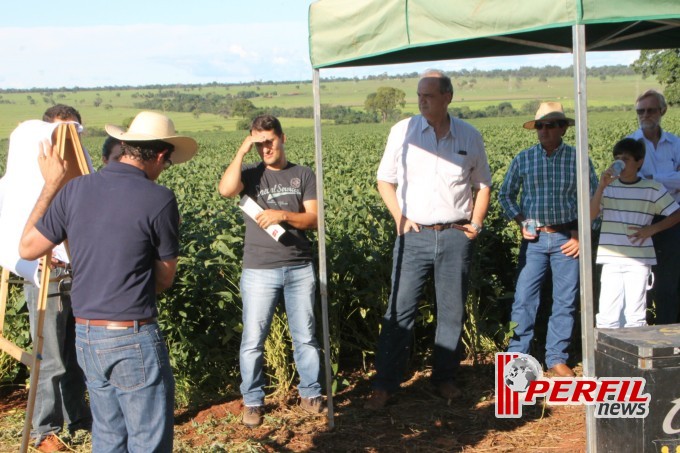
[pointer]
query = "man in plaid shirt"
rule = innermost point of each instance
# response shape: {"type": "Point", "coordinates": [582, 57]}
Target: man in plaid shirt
{"type": "Point", "coordinates": [545, 175]}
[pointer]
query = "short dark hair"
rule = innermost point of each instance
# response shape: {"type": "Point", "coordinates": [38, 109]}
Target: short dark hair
{"type": "Point", "coordinates": [61, 112]}
{"type": "Point", "coordinates": [267, 123]}
{"type": "Point", "coordinates": [108, 146]}
{"type": "Point", "coordinates": [145, 150]}
{"type": "Point", "coordinates": [631, 147]}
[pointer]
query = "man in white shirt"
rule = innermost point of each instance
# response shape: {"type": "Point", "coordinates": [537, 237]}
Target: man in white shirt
{"type": "Point", "coordinates": [431, 169]}
{"type": "Point", "coordinates": [662, 163]}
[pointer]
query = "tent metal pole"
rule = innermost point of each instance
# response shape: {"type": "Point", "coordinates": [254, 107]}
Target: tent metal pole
{"type": "Point", "coordinates": [584, 227]}
{"type": "Point", "coordinates": [323, 280]}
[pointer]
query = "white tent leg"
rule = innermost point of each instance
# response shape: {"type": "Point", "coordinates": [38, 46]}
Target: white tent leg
{"type": "Point", "coordinates": [584, 227]}
{"type": "Point", "coordinates": [323, 280]}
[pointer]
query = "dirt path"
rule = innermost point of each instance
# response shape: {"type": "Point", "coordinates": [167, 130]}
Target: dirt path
{"type": "Point", "coordinates": [415, 420]}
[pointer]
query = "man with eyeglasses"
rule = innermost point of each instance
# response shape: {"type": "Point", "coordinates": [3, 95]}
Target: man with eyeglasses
{"type": "Point", "coordinates": [662, 163]}
{"type": "Point", "coordinates": [546, 213]}
{"type": "Point", "coordinates": [116, 276]}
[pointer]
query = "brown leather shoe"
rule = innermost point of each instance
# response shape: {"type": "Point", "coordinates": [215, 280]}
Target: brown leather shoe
{"type": "Point", "coordinates": [252, 416]}
{"type": "Point", "coordinates": [51, 444]}
{"type": "Point", "coordinates": [377, 400]}
{"type": "Point", "coordinates": [314, 405]}
{"type": "Point", "coordinates": [562, 370]}
{"type": "Point", "coordinates": [449, 390]}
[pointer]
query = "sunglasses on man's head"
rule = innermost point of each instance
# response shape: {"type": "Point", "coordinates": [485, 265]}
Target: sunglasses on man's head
{"type": "Point", "coordinates": [550, 125]}
{"type": "Point", "coordinates": [650, 111]}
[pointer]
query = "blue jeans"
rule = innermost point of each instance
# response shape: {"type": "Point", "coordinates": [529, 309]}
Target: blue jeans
{"type": "Point", "coordinates": [666, 289]}
{"type": "Point", "coordinates": [261, 290]}
{"type": "Point", "coordinates": [447, 255]}
{"type": "Point", "coordinates": [61, 385]}
{"type": "Point", "coordinates": [534, 260]}
{"type": "Point", "coordinates": [132, 390]}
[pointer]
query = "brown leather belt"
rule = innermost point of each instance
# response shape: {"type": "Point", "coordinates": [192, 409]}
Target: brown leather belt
{"type": "Point", "coordinates": [104, 323]}
{"type": "Point", "coordinates": [445, 226]}
{"type": "Point", "coordinates": [559, 228]}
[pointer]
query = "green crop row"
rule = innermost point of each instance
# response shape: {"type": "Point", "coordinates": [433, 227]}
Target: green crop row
{"type": "Point", "coordinates": [201, 313]}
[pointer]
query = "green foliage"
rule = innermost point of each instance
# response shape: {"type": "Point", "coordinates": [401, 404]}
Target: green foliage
{"type": "Point", "coordinates": [665, 65]}
{"type": "Point", "coordinates": [385, 102]}
{"type": "Point", "coordinates": [201, 314]}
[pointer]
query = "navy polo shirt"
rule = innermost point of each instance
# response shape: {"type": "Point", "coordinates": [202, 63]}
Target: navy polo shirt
{"type": "Point", "coordinates": [118, 223]}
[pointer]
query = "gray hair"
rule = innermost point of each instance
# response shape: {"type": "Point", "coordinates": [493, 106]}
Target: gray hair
{"type": "Point", "coordinates": [445, 85]}
{"type": "Point", "coordinates": [653, 93]}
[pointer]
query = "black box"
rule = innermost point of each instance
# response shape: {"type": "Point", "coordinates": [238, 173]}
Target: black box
{"type": "Point", "coordinates": [653, 353]}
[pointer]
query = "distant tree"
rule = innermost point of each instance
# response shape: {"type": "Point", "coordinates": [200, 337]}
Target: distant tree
{"type": "Point", "coordinates": [385, 102]}
{"type": "Point", "coordinates": [603, 77]}
{"type": "Point", "coordinates": [542, 79]}
{"type": "Point", "coordinates": [531, 107]}
{"type": "Point", "coordinates": [665, 65]}
{"type": "Point", "coordinates": [243, 108]}
{"type": "Point", "coordinates": [97, 102]}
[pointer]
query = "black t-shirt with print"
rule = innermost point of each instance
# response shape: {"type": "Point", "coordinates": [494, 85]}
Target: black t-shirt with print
{"type": "Point", "coordinates": [284, 190]}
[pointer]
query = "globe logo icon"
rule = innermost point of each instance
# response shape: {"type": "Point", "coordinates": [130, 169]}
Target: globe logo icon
{"type": "Point", "coordinates": [520, 372]}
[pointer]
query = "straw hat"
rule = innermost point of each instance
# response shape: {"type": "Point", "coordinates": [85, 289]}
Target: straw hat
{"type": "Point", "coordinates": [149, 126]}
{"type": "Point", "coordinates": [549, 111]}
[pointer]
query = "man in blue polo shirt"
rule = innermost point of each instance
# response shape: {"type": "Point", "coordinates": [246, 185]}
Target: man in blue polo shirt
{"type": "Point", "coordinates": [116, 277]}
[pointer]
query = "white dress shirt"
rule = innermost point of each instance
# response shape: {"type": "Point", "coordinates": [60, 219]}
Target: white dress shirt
{"type": "Point", "coordinates": [435, 178]}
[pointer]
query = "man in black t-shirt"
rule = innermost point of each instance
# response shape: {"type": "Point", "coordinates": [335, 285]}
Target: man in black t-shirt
{"type": "Point", "coordinates": [275, 265]}
{"type": "Point", "coordinates": [116, 277]}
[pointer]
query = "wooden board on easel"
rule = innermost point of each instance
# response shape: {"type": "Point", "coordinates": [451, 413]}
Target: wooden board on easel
{"type": "Point", "coordinates": [67, 141]}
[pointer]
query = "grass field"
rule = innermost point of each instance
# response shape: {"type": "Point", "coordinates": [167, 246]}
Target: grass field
{"type": "Point", "coordinates": [117, 105]}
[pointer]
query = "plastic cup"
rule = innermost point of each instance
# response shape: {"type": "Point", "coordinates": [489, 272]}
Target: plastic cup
{"type": "Point", "coordinates": [617, 167]}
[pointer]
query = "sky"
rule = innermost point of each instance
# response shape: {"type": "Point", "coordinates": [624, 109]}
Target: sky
{"type": "Point", "coordinates": [51, 44]}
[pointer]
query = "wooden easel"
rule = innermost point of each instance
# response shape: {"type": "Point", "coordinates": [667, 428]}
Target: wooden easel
{"type": "Point", "coordinates": [71, 151]}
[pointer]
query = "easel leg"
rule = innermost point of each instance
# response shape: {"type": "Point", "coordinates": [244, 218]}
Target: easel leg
{"type": "Point", "coordinates": [4, 290]}
{"type": "Point", "coordinates": [37, 352]}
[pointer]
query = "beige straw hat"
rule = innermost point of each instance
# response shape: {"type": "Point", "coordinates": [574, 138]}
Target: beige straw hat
{"type": "Point", "coordinates": [149, 126]}
{"type": "Point", "coordinates": [549, 111]}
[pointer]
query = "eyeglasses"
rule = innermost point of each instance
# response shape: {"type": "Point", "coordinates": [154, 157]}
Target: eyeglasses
{"type": "Point", "coordinates": [650, 111]}
{"type": "Point", "coordinates": [167, 164]}
{"type": "Point", "coordinates": [539, 125]}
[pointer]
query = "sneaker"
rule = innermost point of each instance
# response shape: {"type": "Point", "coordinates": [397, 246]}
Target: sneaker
{"type": "Point", "coordinates": [252, 416]}
{"type": "Point", "coordinates": [377, 400]}
{"type": "Point", "coordinates": [313, 405]}
{"type": "Point", "coordinates": [51, 443]}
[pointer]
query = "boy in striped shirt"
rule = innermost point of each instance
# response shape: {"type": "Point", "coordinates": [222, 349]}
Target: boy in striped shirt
{"type": "Point", "coordinates": [627, 204]}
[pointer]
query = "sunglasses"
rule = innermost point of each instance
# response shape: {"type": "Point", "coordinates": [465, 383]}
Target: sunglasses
{"type": "Point", "coordinates": [650, 111]}
{"type": "Point", "coordinates": [538, 125]}
{"type": "Point", "coordinates": [167, 164]}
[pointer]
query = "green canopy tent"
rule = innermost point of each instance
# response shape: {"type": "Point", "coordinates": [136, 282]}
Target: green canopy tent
{"type": "Point", "coordinates": [346, 33]}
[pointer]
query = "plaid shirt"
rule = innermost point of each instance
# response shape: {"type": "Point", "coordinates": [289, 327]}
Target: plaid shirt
{"type": "Point", "coordinates": [548, 185]}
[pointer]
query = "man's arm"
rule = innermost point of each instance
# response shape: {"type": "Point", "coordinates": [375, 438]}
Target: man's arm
{"type": "Point", "coordinates": [388, 192]}
{"type": "Point", "coordinates": [164, 273]}
{"type": "Point", "coordinates": [479, 211]}
{"type": "Point", "coordinates": [33, 243]}
{"type": "Point", "coordinates": [305, 220]}
{"type": "Point", "coordinates": [231, 184]}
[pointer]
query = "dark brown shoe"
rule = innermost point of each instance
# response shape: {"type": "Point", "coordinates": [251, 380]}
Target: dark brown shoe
{"type": "Point", "coordinates": [377, 400]}
{"type": "Point", "coordinates": [252, 416]}
{"type": "Point", "coordinates": [51, 444]}
{"type": "Point", "coordinates": [449, 390]}
{"type": "Point", "coordinates": [562, 370]}
{"type": "Point", "coordinates": [313, 405]}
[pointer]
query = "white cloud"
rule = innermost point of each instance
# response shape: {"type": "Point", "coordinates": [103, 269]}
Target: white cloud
{"type": "Point", "coordinates": [164, 54]}
{"type": "Point", "coordinates": [150, 54]}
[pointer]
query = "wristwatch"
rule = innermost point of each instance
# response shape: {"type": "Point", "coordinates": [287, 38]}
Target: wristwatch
{"type": "Point", "coordinates": [478, 228]}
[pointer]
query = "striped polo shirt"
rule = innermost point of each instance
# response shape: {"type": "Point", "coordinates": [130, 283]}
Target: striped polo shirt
{"type": "Point", "coordinates": [631, 204]}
